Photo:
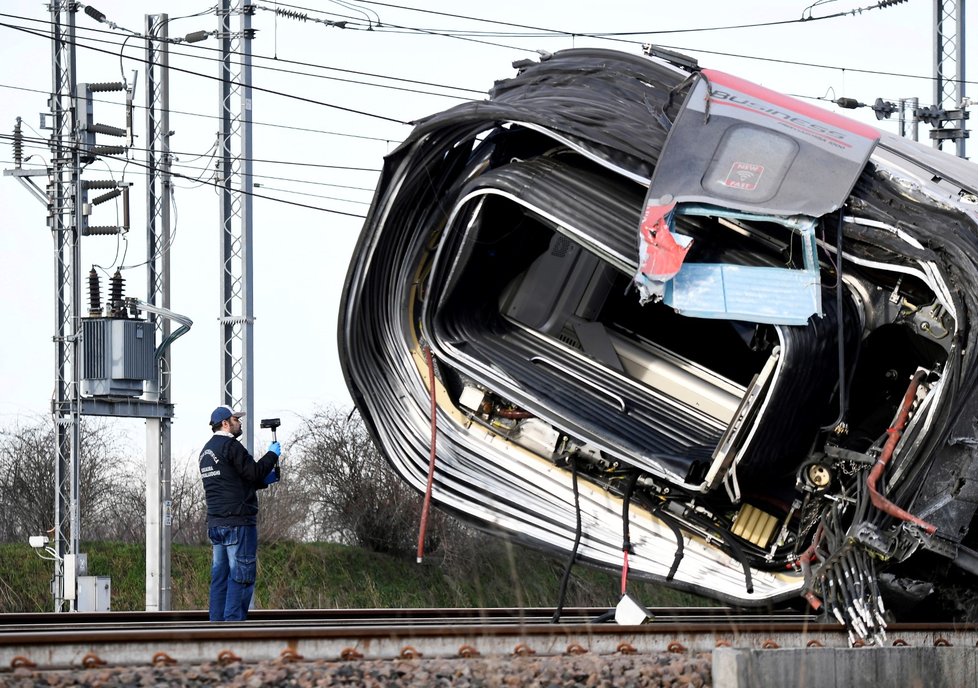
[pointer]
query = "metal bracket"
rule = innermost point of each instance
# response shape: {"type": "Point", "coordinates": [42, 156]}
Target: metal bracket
{"type": "Point", "coordinates": [23, 176]}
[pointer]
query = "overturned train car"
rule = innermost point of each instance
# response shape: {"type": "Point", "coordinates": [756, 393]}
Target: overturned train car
{"type": "Point", "coordinates": [688, 328]}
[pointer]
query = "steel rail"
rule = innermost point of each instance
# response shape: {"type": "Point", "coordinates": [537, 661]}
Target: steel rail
{"type": "Point", "coordinates": [22, 622]}
{"type": "Point", "coordinates": [198, 642]}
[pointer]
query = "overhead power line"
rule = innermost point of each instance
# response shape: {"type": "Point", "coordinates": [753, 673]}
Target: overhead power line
{"type": "Point", "coordinates": [616, 36]}
{"type": "Point", "coordinates": [291, 96]}
{"type": "Point", "coordinates": [38, 140]}
{"type": "Point", "coordinates": [216, 185]}
{"type": "Point", "coordinates": [797, 63]}
{"type": "Point", "coordinates": [612, 34]}
{"type": "Point", "coordinates": [679, 48]}
{"type": "Point", "coordinates": [140, 173]}
{"type": "Point", "coordinates": [198, 114]}
{"type": "Point", "coordinates": [200, 47]}
{"type": "Point", "coordinates": [305, 193]}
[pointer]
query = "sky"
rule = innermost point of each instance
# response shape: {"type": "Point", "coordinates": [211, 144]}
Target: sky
{"type": "Point", "coordinates": [329, 104]}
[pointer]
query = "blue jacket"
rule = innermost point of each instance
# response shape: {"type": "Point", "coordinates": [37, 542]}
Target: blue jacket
{"type": "Point", "coordinates": [231, 477]}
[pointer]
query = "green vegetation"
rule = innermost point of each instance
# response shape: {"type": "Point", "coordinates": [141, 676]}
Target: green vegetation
{"type": "Point", "coordinates": [323, 576]}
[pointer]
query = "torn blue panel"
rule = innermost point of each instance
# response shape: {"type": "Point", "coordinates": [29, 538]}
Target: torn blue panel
{"type": "Point", "coordinates": [739, 292]}
{"type": "Point", "coordinates": [778, 296]}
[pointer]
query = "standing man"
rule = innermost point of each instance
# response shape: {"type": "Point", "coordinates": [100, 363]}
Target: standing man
{"type": "Point", "coordinates": [231, 477]}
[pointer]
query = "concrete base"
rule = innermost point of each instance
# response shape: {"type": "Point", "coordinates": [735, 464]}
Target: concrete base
{"type": "Point", "coordinates": [869, 667]}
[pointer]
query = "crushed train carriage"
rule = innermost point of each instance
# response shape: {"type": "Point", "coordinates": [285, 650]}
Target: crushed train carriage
{"type": "Point", "coordinates": [685, 326]}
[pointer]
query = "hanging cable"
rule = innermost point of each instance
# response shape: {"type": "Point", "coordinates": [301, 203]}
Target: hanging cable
{"type": "Point", "coordinates": [626, 543]}
{"type": "Point", "coordinates": [577, 543]}
{"type": "Point", "coordinates": [276, 60]}
{"type": "Point", "coordinates": [680, 543]}
{"type": "Point", "coordinates": [736, 551]}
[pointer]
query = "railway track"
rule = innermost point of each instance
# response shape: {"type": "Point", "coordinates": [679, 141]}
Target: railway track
{"type": "Point", "coordinates": [53, 641]}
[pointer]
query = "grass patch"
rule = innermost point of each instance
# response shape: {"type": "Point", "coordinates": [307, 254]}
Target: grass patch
{"type": "Point", "coordinates": [330, 576]}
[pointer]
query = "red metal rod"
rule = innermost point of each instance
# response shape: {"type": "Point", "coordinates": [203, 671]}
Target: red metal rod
{"type": "Point", "coordinates": [878, 500]}
{"type": "Point", "coordinates": [624, 571]}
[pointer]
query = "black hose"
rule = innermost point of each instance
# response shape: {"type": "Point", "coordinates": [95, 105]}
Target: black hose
{"type": "Point", "coordinates": [680, 545]}
{"type": "Point", "coordinates": [626, 543]}
{"type": "Point", "coordinates": [577, 542]}
{"type": "Point", "coordinates": [736, 551]}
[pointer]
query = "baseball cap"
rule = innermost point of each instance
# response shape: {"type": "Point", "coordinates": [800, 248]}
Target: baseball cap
{"type": "Point", "coordinates": [222, 413]}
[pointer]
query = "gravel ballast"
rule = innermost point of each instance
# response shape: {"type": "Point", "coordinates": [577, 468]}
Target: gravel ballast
{"type": "Point", "coordinates": [664, 669]}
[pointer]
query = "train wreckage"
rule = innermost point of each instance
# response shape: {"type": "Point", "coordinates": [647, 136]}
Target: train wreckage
{"type": "Point", "coordinates": [678, 325]}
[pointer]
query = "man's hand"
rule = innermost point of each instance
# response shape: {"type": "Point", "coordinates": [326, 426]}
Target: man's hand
{"type": "Point", "coordinates": [275, 448]}
{"type": "Point", "coordinates": [273, 476]}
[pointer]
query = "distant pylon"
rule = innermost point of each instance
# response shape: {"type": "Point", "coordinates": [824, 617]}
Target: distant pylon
{"type": "Point", "coordinates": [65, 218]}
{"type": "Point", "coordinates": [949, 73]}
{"type": "Point", "coordinates": [159, 192]}
{"type": "Point", "coordinates": [235, 180]}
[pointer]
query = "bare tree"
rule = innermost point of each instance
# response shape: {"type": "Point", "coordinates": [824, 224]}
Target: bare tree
{"type": "Point", "coordinates": [111, 486]}
{"type": "Point", "coordinates": [108, 486]}
{"type": "Point", "coordinates": [284, 506]}
{"type": "Point", "coordinates": [335, 486]}
{"type": "Point", "coordinates": [26, 481]}
{"type": "Point", "coordinates": [189, 509]}
{"type": "Point", "coordinates": [355, 496]}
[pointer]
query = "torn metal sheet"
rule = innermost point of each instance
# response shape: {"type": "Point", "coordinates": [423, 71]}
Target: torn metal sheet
{"type": "Point", "coordinates": [778, 296]}
{"type": "Point", "coordinates": [743, 146]}
{"type": "Point", "coordinates": [661, 253]}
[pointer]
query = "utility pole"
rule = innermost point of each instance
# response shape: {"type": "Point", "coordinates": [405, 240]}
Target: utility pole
{"type": "Point", "coordinates": [159, 514]}
{"type": "Point", "coordinates": [73, 145]}
{"type": "Point", "coordinates": [64, 220]}
{"type": "Point", "coordinates": [235, 151]}
{"type": "Point", "coordinates": [106, 360]}
{"type": "Point", "coordinates": [949, 75]}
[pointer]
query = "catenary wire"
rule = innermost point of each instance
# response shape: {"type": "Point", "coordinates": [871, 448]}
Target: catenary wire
{"type": "Point", "coordinates": [198, 114]}
{"type": "Point", "coordinates": [679, 48]}
{"type": "Point", "coordinates": [199, 47]}
{"type": "Point", "coordinates": [256, 176]}
{"type": "Point", "coordinates": [613, 34]}
{"type": "Point", "coordinates": [669, 47]}
{"type": "Point", "coordinates": [269, 161]}
{"type": "Point", "coordinates": [200, 180]}
{"type": "Point", "coordinates": [271, 91]}
{"type": "Point", "coordinates": [557, 33]}
{"type": "Point", "coordinates": [220, 186]}
{"type": "Point", "coordinates": [304, 193]}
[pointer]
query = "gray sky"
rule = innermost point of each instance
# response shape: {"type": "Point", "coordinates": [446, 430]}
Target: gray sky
{"type": "Point", "coordinates": [301, 254]}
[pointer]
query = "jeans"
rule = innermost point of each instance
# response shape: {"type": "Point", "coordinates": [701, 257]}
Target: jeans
{"type": "Point", "coordinates": [233, 569]}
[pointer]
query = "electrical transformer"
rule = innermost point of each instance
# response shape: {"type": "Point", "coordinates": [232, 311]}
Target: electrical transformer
{"type": "Point", "coordinates": [118, 356]}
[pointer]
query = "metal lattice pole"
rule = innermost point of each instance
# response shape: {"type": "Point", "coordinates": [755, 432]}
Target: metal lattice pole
{"type": "Point", "coordinates": [237, 318]}
{"type": "Point", "coordinates": [65, 220]}
{"type": "Point", "coordinates": [158, 195]}
{"type": "Point", "coordinates": [949, 62]}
